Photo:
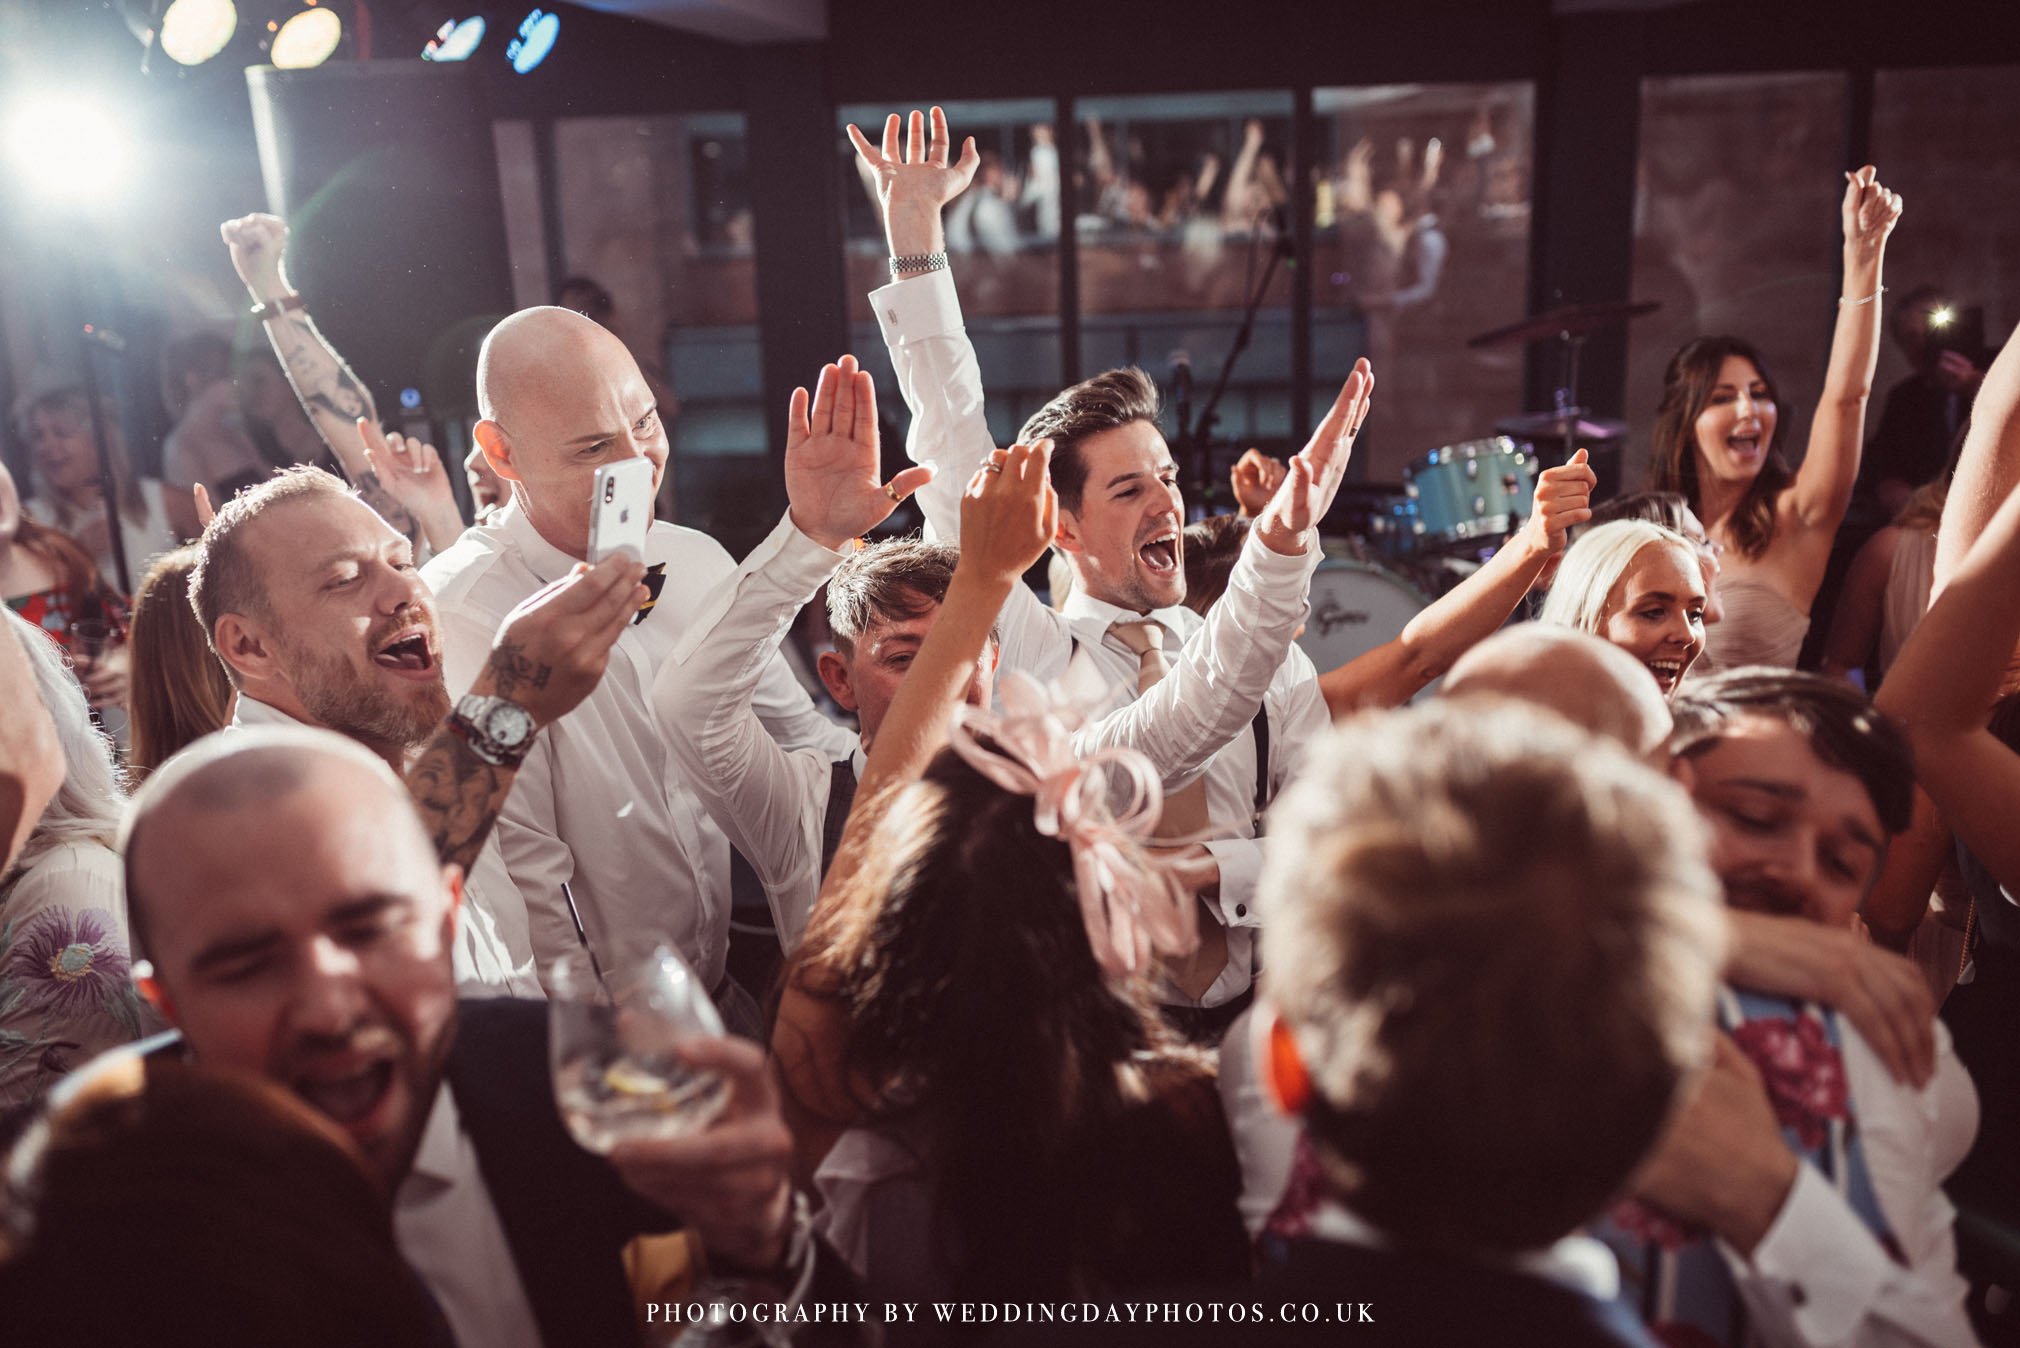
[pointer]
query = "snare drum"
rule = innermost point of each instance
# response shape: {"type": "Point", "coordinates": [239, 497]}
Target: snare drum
{"type": "Point", "coordinates": [1356, 606]}
{"type": "Point", "coordinates": [1478, 489]}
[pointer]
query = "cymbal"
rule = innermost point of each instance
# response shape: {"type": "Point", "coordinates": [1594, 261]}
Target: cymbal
{"type": "Point", "coordinates": [1570, 321]}
{"type": "Point", "coordinates": [1550, 426]}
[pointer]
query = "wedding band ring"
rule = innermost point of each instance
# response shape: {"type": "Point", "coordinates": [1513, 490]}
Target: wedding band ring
{"type": "Point", "coordinates": [891, 490]}
{"type": "Point", "coordinates": [992, 467]}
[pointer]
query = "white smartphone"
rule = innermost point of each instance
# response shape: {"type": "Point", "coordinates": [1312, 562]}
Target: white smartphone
{"type": "Point", "coordinates": [621, 510]}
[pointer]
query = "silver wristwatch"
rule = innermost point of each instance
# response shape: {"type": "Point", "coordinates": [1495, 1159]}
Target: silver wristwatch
{"type": "Point", "coordinates": [498, 730]}
{"type": "Point", "coordinates": [917, 262]}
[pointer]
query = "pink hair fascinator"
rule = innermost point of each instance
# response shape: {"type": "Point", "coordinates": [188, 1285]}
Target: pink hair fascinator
{"type": "Point", "coordinates": [1102, 806]}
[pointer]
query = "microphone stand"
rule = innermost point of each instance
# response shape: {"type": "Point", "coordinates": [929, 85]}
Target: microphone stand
{"type": "Point", "coordinates": [1200, 435]}
{"type": "Point", "coordinates": [89, 337]}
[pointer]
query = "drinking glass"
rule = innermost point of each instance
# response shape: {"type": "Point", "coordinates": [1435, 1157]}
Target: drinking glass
{"type": "Point", "coordinates": [616, 1030]}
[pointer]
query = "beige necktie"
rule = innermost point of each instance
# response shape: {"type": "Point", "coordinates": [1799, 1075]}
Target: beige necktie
{"type": "Point", "coordinates": [1185, 815]}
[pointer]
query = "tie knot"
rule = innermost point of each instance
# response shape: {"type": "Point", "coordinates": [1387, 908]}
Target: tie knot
{"type": "Point", "coordinates": [1141, 637]}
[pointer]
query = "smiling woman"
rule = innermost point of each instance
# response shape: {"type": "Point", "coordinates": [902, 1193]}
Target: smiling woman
{"type": "Point", "coordinates": [1718, 442]}
{"type": "Point", "coordinates": [1639, 586]}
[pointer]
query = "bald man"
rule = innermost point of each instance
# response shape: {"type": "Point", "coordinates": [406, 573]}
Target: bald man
{"type": "Point", "coordinates": [1590, 682]}
{"type": "Point", "coordinates": [301, 928]}
{"type": "Point", "coordinates": [599, 804]}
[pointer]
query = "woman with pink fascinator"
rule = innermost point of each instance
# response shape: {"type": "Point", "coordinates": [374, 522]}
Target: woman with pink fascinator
{"type": "Point", "coordinates": [976, 1075]}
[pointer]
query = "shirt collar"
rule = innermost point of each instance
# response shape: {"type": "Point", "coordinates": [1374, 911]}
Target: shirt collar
{"type": "Point", "coordinates": [547, 562]}
{"type": "Point", "coordinates": [250, 711]}
{"type": "Point", "coordinates": [441, 1141]}
{"type": "Point", "coordinates": [1577, 1262]}
{"type": "Point", "coordinates": [1091, 616]}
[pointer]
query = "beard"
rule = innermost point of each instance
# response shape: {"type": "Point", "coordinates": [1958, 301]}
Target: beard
{"type": "Point", "coordinates": [363, 707]}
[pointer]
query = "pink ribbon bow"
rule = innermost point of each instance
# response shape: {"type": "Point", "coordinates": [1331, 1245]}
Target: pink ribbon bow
{"type": "Point", "coordinates": [1102, 807]}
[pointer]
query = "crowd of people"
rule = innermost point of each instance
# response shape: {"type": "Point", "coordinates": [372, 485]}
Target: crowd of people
{"type": "Point", "coordinates": [1117, 963]}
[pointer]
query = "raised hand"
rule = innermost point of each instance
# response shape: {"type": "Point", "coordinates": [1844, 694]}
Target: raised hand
{"type": "Point", "coordinates": [552, 649]}
{"type": "Point", "coordinates": [1256, 478]}
{"type": "Point", "coordinates": [1721, 1162]}
{"type": "Point", "coordinates": [729, 1183]}
{"type": "Point", "coordinates": [258, 243]}
{"type": "Point", "coordinates": [412, 474]}
{"type": "Point", "coordinates": [1318, 469]}
{"type": "Point", "coordinates": [1869, 213]}
{"type": "Point", "coordinates": [914, 185]}
{"type": "Point", "coordinates": [1009, 513]}
{"type": "Point", "coordinates": [1563, 501]}
{"type": "Point", "coordinates": [832, 465]}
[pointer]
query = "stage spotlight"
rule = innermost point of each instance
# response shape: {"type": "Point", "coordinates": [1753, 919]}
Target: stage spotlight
{"type": "Point", "coordinates": [536, 38]}
{"type": "Point", "coordinates": [193, 31]}
{"type": "Point", "coordinates": [455, 40]}
{"type": "Point", "coordinates": [67, 149]}
{"type": "Point", "coordinates": [306, 40]}
{"type": "Point", "coordinates": [1943, 317]}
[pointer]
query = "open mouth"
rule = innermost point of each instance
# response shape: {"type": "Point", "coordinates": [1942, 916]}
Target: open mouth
{"type": "Point", "coordinates": [350, 1099]}
{"type": "Point", "coordinates": [1746, 446]}
{"type": "Point", "coordinates": [1668, 673]}
{"type": "Point", "coordinates": [407, 653]}
{"type": "Point", "coordinates": [1160, 554]}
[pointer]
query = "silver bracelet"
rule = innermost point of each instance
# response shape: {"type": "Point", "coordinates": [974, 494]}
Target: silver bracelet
{"type": "Point", "coordinates": [919, 262]}
{"type": "Point", "coordinates": [1853, 304]}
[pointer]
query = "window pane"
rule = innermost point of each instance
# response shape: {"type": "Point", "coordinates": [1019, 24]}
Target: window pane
{"type": "Point", "coordinates": [1179, 205]}
{"type": "Point", "coordinates": [657, 211]}
{"type": "Point", "coordinates": [1002, 242]}
{"type": "Point", "coordinates": [1736, 231]}
{"type": "Point", "coordinates": [1421, 241]}
{"type": "Point", "coordinates": [1944, 140]}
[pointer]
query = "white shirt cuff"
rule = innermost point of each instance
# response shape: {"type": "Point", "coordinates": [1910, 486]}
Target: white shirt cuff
{"type": "Point", "coordinates": [1818, 1268]}
{"type": "Point", "coordinates": [918, 308]}
{"type": "Point", "coordinates": [1240, 862]}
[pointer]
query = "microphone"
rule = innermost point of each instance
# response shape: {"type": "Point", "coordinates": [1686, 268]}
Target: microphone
{"type": "Point", "coordinates": [1180, 377]}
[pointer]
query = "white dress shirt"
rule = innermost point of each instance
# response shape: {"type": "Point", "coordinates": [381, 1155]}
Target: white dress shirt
{"type": "Point", "coordinates": [493, 957]}
{"type": "Point", "coordinates": [1819, 1277]}
{"type": "Point", "coordinates": [601, 801]}
{"type": "Point", "coordinates": [942, 385]}
{"type": "Point", "coordinates": [773, 803]}
{"type": "Point", "coordinates": [451, 1235]}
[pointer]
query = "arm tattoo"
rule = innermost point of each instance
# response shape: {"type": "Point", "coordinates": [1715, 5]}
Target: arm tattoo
{"type": "Point", "coordinates": [374, 494]}
{"type": "Point", "coordinates": [511, 670]}
{"type": "Point", "coordinates": [458, 794]}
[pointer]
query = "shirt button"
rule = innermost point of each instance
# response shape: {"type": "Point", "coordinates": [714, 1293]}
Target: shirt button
{"type": "Point", "coordinates": [1241, 910]}
{"type": "Point", "coordinates": [1797, 1295]}
{"type": "Point", "coordinates": [891, 314]}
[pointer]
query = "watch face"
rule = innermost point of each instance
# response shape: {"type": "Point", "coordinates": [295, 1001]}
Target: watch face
{"type": "Point", "coordinates": [508, 724]}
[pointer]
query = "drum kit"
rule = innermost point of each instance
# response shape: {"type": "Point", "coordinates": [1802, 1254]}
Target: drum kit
{"type": "Point", "coordinates": [1409, 542]}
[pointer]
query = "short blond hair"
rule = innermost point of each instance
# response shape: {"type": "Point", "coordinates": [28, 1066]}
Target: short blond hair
{"type": "Point", "coordinates": [1496, 941]}
{"type": "Point", "coordinates": [224, 579]}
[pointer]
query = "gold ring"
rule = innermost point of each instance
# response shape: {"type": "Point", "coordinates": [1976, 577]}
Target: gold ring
{"type": "Point", "coordinates": [992, 467]}
{"type": "Point", "coordinates": [891, 490]}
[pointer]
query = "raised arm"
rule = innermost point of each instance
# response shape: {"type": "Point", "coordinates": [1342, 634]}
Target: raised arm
{"type": "Point", "coordinates": [921, 316]}
{"type": "Point", "coordinates": [550, 654]}
{"type": "Point", "coordinates": [1823, 485]}
{"type": "Point", "coordinates": [1009, 513]}
{"type": "Point", "coordinates": [1942, 688]}
{"type": "Point", "coordinates": [1472, 611]}
{"type": "Point", "coordinates": [767, 799]}
{"type": "Point", "coordinates": [1988, 470]}
{"type": "Point", "coordinates": [330, 393]}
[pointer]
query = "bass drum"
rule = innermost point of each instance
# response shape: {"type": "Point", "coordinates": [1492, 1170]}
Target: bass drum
{"type": "Point", "coordinates": [1356, 606]}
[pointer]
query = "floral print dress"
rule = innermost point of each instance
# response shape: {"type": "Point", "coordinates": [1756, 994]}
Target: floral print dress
{"type": "Point", "coordinates": [65, 961]}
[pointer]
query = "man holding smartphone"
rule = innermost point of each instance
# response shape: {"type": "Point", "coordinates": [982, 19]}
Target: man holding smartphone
{"type": "Point", "coordinates": [599, 802]}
